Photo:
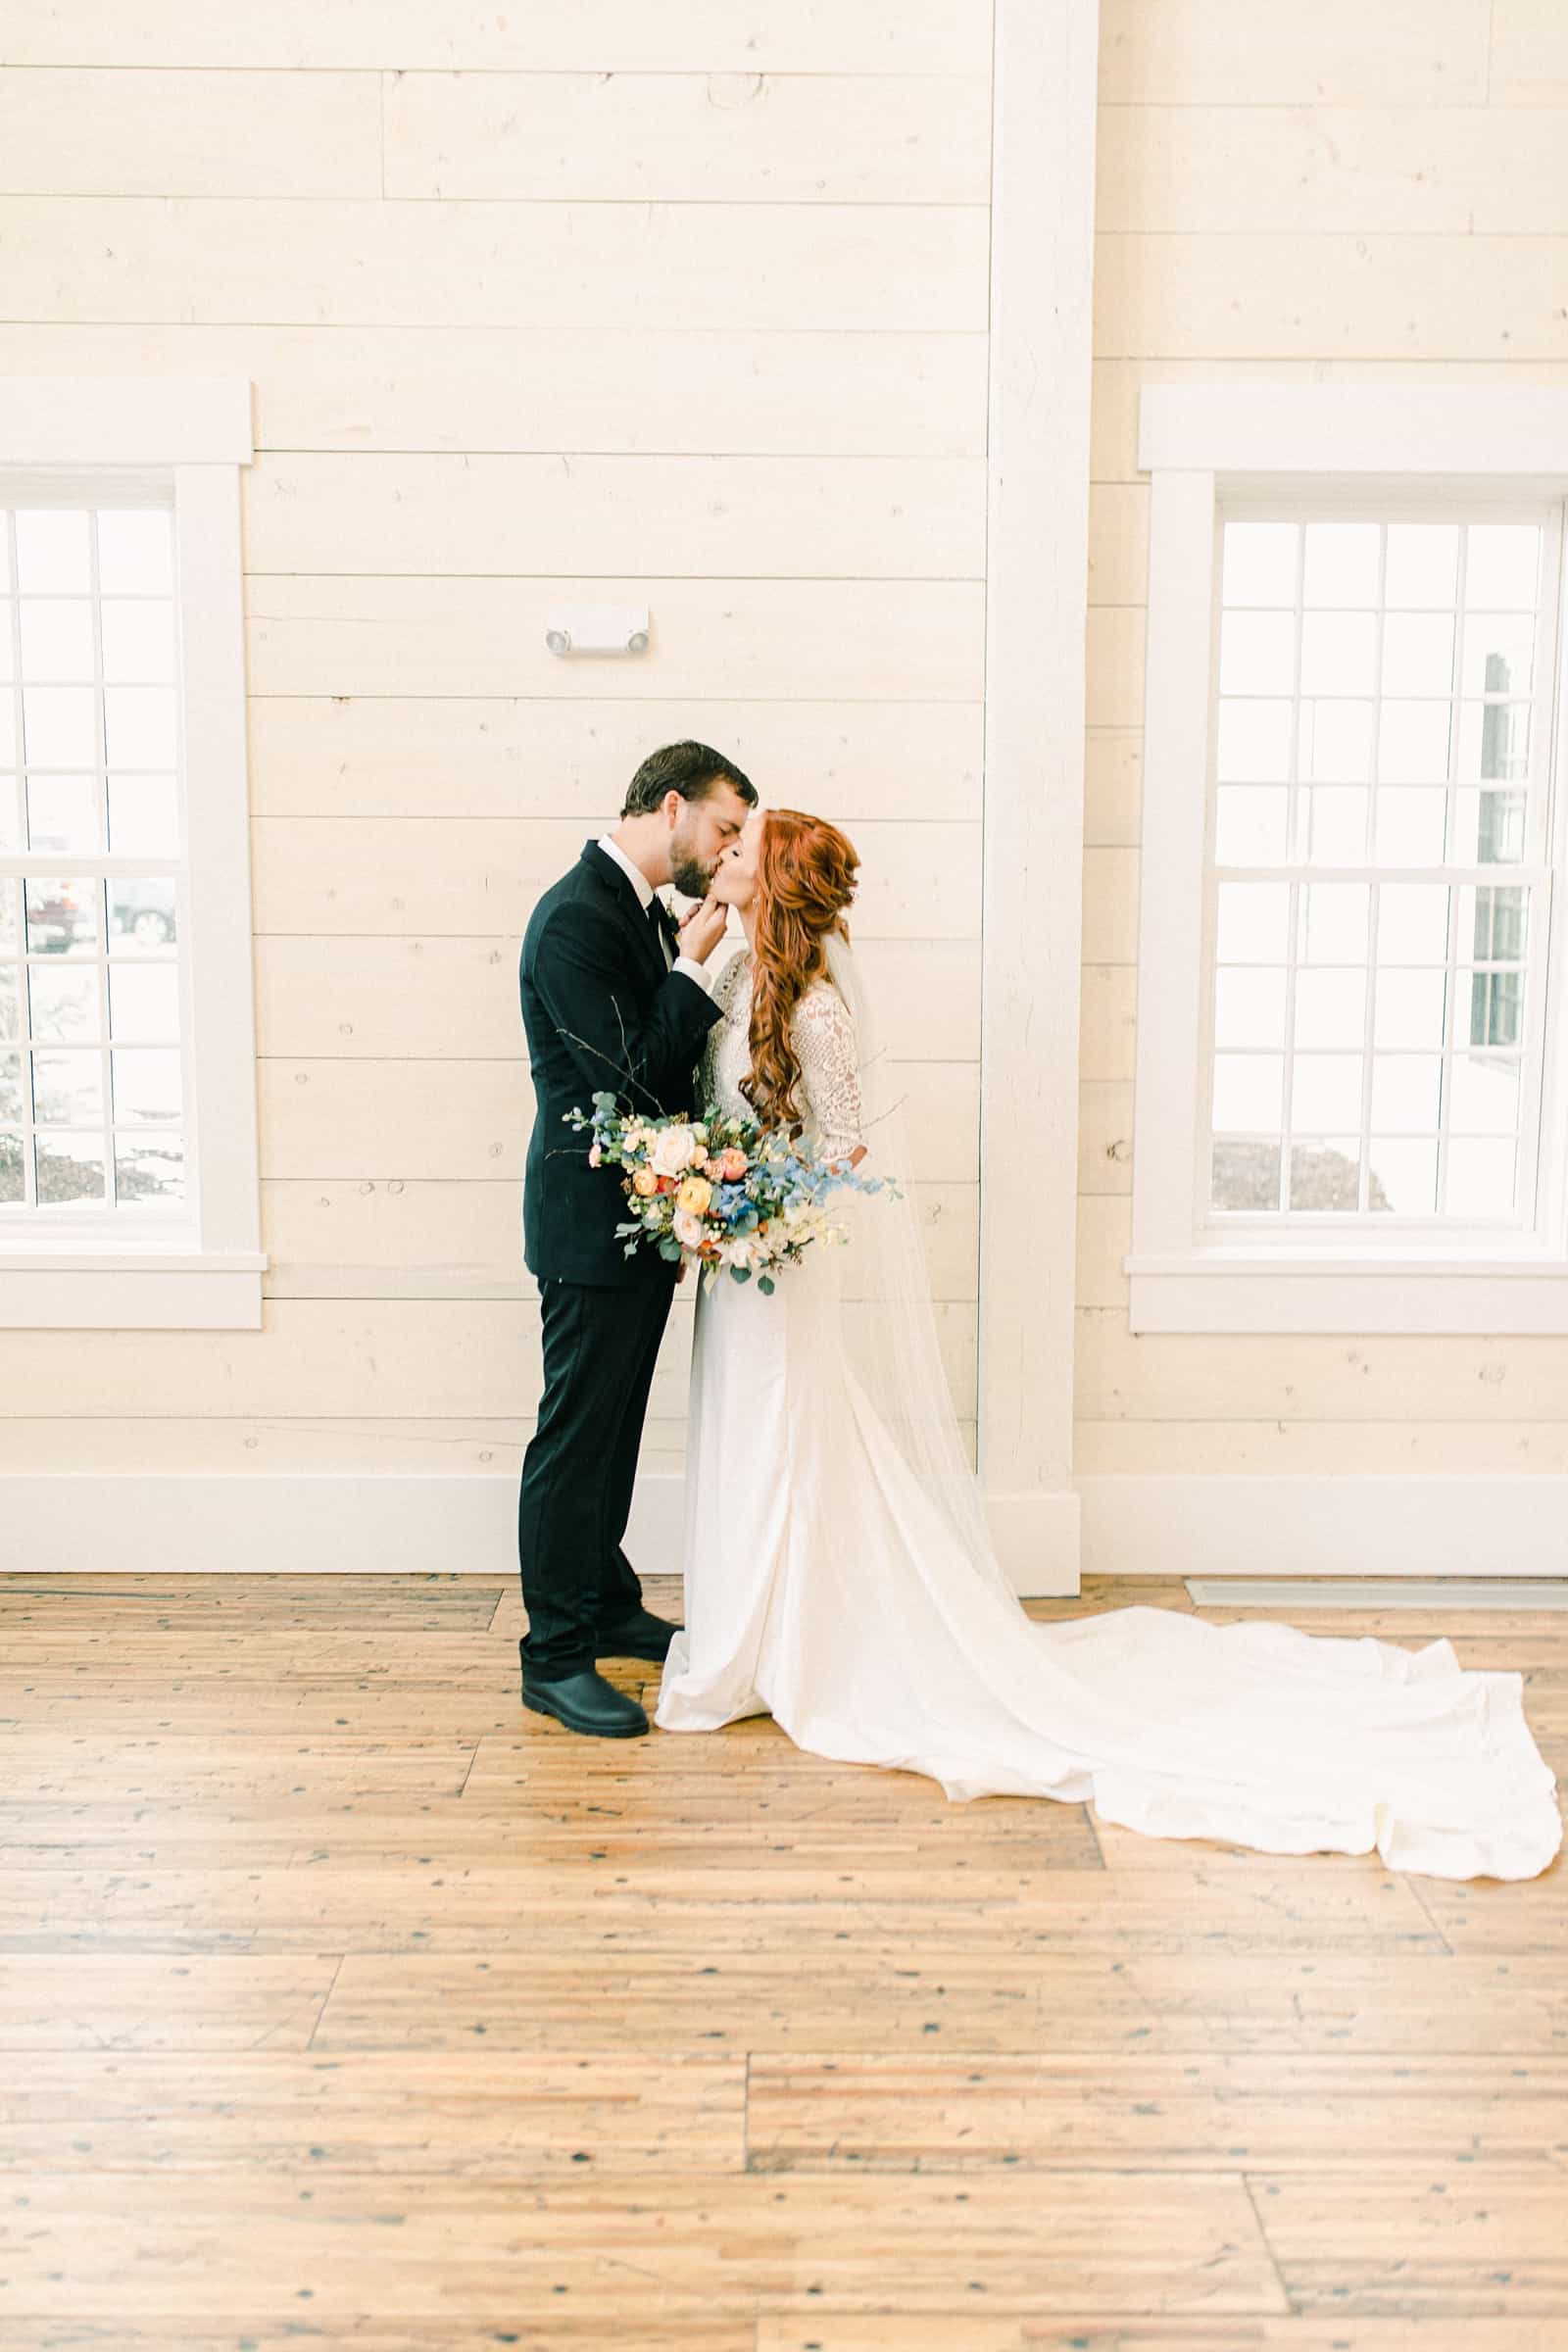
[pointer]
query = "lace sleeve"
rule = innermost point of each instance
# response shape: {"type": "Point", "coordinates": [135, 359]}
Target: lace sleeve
{"type": "Point", "coordinates": [724, 988]}
{"type": "Point", "coordinates": [824, 1040]}
{"type": "Point", "coordinates": [728, 981]}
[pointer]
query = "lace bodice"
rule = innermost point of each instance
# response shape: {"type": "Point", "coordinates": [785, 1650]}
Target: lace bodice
{"type": "Point", "coordinates": [823, 1035]}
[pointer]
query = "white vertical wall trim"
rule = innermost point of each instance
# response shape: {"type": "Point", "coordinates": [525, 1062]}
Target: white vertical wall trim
{"type": "Point", "coordinates": [1181, 563]}
{"type": "Point", "coordinates": [1043, 176]}
{"type": "Point", "coordinates": [218, 917]}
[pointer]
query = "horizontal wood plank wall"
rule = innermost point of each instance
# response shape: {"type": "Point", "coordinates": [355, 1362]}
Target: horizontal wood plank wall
{"type": "Point", "coordinates": [685, 306]}
{"type": "Point", "coordinates": [1315, 191]}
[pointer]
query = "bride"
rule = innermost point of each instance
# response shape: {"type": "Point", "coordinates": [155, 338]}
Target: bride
{"type": "Point", "coordinates": [838, 1571]}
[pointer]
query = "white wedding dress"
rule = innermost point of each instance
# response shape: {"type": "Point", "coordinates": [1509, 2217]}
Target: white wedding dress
{"type": "Point", "coordinates": [827, 1585]}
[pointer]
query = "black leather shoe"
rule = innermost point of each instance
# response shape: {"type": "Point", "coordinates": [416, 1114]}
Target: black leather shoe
{"type": "Point", "coordinates": [585, 1702]}
{"type": "Point", "coordinates": [640, 1635]}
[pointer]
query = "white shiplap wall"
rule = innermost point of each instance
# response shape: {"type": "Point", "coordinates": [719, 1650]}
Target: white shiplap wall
{"type": "Point", "coordinates": [1312, 190]}
{"type": "Point", "coordinates": [684, 303]}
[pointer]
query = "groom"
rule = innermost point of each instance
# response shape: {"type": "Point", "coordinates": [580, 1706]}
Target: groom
{"type": "Point", "coordinates": [613, 999]}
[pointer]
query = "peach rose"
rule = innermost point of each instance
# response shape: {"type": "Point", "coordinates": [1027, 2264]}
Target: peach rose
{"type": "Point", "coordinates": [732, 1163]}
{"type": "Point", "coordinates": [695, 1194]}
{"type": "Point", "coordinates": [645, 1184]}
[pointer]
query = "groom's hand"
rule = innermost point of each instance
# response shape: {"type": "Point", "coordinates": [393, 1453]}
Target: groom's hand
{"type": "Point", "coordinates": [703, 929]}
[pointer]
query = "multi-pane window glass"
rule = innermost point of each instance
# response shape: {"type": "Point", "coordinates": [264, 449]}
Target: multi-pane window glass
{"type": "Point", "coordinates": [91, 1067]}
{"type": "Point", "coordinates": [1380, 885]}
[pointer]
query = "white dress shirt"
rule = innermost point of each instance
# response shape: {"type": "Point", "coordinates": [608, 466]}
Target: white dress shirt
{"type": "Point", "coordinates": [645, 893]}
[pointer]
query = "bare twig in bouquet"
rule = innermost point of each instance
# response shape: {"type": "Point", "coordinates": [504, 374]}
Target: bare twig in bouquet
{"type": "Point", "coordinates": [621, 1070]}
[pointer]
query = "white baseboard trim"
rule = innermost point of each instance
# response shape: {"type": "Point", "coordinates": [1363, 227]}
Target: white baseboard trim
{"type": "Point", "coordinates": [1315, 1526]}
{"type": "Point", "coordinates": [66, 1523]}
{"type": "Point", "coordinates": [61, 1523]}
{"type": "Point", "coordinates": [1036, 1540]}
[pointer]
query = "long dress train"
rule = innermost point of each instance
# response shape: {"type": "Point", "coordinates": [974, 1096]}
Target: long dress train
{"type": "Point", "coordinates": [824, 1586]}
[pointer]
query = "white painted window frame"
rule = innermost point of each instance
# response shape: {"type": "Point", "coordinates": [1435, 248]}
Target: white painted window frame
{"type": "Point", "coordinates": [1201, 444]}
{"type": "Point", "coordinates": [189, 436]}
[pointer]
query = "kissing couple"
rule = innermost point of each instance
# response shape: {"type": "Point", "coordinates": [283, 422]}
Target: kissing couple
{"type": "Point", "coordinates": [839, 1573]}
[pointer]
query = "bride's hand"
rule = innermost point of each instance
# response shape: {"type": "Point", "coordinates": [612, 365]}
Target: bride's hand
{"type": "Point", "coordinates": [704, 928]}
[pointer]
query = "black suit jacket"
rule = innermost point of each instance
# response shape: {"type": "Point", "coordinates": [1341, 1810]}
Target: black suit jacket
{"type": "Point", "coordinates": [602, 1014]}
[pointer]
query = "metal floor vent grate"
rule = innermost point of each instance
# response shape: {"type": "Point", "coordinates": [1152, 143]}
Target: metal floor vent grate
{"type": "Point", "coordinates": [1360, 1593]}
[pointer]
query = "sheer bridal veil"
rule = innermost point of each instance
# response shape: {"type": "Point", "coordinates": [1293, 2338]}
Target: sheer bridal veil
{"type": "Point", "coordinates": [894, 1341]}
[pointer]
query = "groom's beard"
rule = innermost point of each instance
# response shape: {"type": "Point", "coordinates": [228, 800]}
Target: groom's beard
{"type": "Point", "coordinates": [690, 879]}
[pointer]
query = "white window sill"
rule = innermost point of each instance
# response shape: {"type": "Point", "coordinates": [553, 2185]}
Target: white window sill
{"type": "Point", "coordinates": [63, 1284]}
{"type": "Point", "coordinates": [1414, 1291]}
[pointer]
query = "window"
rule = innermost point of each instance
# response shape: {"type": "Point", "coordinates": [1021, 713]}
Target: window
{"type": "Point", "coordinates": [1381, 731]}
{"type": "Point", "coordinates": [1351, 1084]}
{"type": "Point", "coordinates": [127, 1148]}
{"type": "Point", "coordinates": [91, 1082]}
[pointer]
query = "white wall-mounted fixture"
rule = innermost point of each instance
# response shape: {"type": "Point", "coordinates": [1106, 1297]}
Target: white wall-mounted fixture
{"type": "Point", "coordinates": [597, 629]}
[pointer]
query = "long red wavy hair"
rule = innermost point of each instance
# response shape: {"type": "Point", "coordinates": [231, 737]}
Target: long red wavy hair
{"type": "Point", "coordinates": [806, 870]}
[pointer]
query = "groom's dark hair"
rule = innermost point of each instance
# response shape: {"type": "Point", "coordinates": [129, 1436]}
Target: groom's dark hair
{"type": "Point", "coordinates": [692, 769]}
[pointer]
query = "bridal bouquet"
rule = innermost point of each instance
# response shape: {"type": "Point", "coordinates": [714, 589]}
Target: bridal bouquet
{"type": "Point", "coordinates": [724, 1193]}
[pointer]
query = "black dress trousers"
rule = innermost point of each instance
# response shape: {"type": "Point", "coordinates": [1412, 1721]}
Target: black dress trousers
{"type": "Point", "coordinates": [601, 1346]}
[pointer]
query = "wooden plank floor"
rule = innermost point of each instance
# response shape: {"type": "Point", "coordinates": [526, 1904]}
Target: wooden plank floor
{"type": "Point", "coordinates": [343, 2003]}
